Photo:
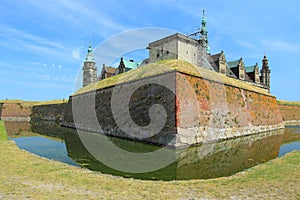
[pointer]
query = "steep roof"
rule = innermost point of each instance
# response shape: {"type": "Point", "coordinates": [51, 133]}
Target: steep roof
{"type": "Point", "coordinates": [109, 69]}
{"type": "Point", "coordinates": [233, 64]}
{"type": "Point", "coordinates": [216, 57]}
{"type": "Point", "coordinates": [229, 72]}
{"type": "Point", "coordinates": [132, 64]}
{"type": "Point", "coordinates": [250, 69]}
{"type": "Point", "coordinates": [247, 78]}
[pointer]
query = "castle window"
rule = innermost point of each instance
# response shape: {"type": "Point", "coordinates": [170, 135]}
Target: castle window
{"type": "Point", "coordinates": [157, 55]}
{"type": "Point", "coordinates": [167, 52]}
{"type": "Point", "coordinates": [187, 52]}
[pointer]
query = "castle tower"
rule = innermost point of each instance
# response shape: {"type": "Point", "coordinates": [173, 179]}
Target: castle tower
{"type": "Point", "coordinates": [204, 37]}
{"type": "Point", "coordinates": [265, 72]}
{"type": "Point", "coordinates": [89, 68]}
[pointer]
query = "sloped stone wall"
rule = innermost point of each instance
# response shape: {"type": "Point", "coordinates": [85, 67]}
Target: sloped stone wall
{"type": "Point", "coordinates": [200, 110]}
{"type": "Point", "coordinates": [15, 112]}
{"type": "Point", "coordinates": [102, 112]}
{"type": "Point", "coordinates": [290, 114]}
{"type": "Point", "coordinates": [50, 112]}
{"type": "Point", "coordinates": [209, 110]}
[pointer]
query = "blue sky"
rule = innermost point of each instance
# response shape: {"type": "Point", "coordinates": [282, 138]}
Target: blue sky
{"type": "Point", "coordinates": [43, 43]}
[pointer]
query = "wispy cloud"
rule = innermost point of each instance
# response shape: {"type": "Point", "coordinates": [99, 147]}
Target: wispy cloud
{"type": "Point", "coordinates": [10, 32]}
{"type": "Point", "coordinates": [247, 44]}
{"type": "Point", "coordinates": [76, 54]}
{"type": "Point", "coordinates": [16, 39]}
{"type": "Point", "coordinates": [83, 14]}
{"type": "Point", "coordinates": [279, 45]}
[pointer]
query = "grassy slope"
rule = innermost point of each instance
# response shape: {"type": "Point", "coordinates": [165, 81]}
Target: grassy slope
{"type": "Point", "coordinates": [165, 66]}
{"type": "Point", "coordinates": [24, 175]}
{"type": "Point", "coordinates": [288, 103]}
{"type": "Point", "coordinates": [34, 103]}
{"type": "Point", "coordinates": [3, 134]}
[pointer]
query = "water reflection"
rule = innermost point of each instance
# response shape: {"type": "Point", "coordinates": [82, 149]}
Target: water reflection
{"type": "Point", "coordinates": [199, 162]}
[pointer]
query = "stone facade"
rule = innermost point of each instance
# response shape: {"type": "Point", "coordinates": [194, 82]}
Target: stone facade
{"type": "Point", "coordinates": [176, 46]}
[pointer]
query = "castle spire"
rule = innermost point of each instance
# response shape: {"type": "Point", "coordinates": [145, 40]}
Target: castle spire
{"type": "Point", "coordinates": [89, 56]}
{"type": "Point", "coordinates": [204, 32]}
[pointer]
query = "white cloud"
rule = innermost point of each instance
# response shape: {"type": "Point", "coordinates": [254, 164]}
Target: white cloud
{"type": "Point", "coordinates": [45, 65]}
{"type": "Point", "coordinates": [76, 54]}
{"type": "Point", "coordinates": [16, 39]}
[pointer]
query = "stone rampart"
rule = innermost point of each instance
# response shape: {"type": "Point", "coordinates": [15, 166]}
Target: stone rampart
{"type": "Point", "coordinates": [15, 112]}
{"type": "Point", "coordinates": [214, 110]}
{"type": "Point", "coordinates": [49, 112]}
{"type": "Point", "coordinates": [199, 106]}
{"type": "Point", "coordinates": [290, 113]}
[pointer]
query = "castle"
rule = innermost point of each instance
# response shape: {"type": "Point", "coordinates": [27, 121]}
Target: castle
{"type": "Point", "coordinates": [90, 69]}
{"type": "Point", "coordinates": [187, 48]}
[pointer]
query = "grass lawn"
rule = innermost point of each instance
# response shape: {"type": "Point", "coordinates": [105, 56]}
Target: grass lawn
{"type": "Point", "coordinates": [3, 134]}
{"type": "Point", "coordinates": [23, 175]}
{"type": "Point", "coordinates": [288, 103]}
{"type": "Point", "coordinates": [35, 103]}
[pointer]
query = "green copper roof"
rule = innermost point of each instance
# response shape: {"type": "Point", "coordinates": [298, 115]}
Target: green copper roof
{"type": "Point", "coordinates": [250, 69]}
{"type": "Point", "coordinates": [233, 64]}
{"type": "Point", "coordinates": [89, 56]}
{"type": "Point", "coordinates": [203, 17]}
{"type": "Point", "coordinates": [131, 64]}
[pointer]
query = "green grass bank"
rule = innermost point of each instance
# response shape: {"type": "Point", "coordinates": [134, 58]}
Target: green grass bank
{"type": "Point", "coordinates": [3, 134]}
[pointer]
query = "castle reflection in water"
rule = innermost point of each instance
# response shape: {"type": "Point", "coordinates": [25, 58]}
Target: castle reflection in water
{"type": "Point", "coordinates": [203, 161]}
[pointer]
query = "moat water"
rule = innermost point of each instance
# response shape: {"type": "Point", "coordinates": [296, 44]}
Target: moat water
{"type": "Point", "coordinates": [204, 161]}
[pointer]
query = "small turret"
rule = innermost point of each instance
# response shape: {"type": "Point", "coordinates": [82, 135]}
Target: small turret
{"type": "Point", "coordinates": [121, 67]}
{"type": "Point", "coordinates": [89, 68]}
{"type": "Point", "coordinates": [265, 72]}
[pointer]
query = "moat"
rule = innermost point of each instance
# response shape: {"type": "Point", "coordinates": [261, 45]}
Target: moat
{"type": "Point", "coordinates": [203, 161]}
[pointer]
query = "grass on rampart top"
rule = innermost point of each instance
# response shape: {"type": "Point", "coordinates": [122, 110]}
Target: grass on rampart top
{"type": "Point", "coordinates": [26, 176]}
{"type": "Point", "coordinates": [166, 66]}
{"type": "Point", "coordinates": [35, 103]}
{"type": "Point", "coordinates": [3, 134]}
{"type": "Point", "coordinates": [288, 103]}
